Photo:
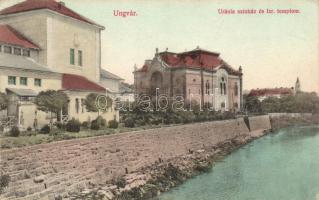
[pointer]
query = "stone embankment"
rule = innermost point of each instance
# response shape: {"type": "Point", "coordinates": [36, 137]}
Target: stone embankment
{"type": "Point", "coordinates": [280, 120]}
{"type": "Point", "coordinates": [134, 165]}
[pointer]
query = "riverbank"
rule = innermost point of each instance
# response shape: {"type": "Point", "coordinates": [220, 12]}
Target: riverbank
{"type": "Point", "coordinates": [160, 177]}
{"type": "Point", "coordinates": [136, 165]}
{"type": "Point", "coordinates": [288, 156]}
{"type": "Point", "coordinates": [149, 182]}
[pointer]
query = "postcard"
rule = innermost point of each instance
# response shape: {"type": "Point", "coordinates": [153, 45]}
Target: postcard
{"type": "Point", "coordinates": [159, 100]}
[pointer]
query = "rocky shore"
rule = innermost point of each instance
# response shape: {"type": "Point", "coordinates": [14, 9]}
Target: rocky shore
{"type": "Point", "coordinates": [150, 181]}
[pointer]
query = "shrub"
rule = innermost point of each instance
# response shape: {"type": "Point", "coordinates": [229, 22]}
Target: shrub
{"type": "Point", "coordinates": [95, 125]}
{"type": "Point", "coordinates": [45, 129]}
{"type": "Point", "coordinates": [101, 121]}
{"type": "Point", "coordinates": [119, 182]}
{"type": "Point", "coordinates": [29, 129]}
{"type": "Point", "coordinates": [59, 125]}
{"type": "Point", "coordinates": [4, 181]}
{"type": "Point", "coordinates": [73, 126]}
{"type": "Point", "coordinates": [85, 124]}
{"type": "Point", "coordinates": [129, 122]}
{"type": "Point", "coordinates": [15, 132]}
{"type": "Point", "coordinates": [113, 124]}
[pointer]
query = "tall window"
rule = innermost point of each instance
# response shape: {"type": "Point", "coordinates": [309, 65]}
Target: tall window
{"type": "Point", "coordinates": [82, 105]}
{"type": "Point", "coordinates": [207, 87]}
{"type": "Point", "coordinates": [80, 58]}
{"type": "Point", "coordinates": [236, 89]}
{"type": "Point", "coordinates": [77, 105]}
{"type": "Point", "coordinates": [37, 82]}
{"type": "Point", "coordinates": [72, 56]}
{"type": "Point", "coordinates": [223, 89]}
{"type": "Point", "coordinates": [12, 80]}
{"type": "Point", "coordinates": [23, 81]}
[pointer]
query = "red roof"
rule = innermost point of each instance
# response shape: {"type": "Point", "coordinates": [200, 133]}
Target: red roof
{"type": "Point", "coordinates": [76, 82]}
{"type": "Point", "coordinates": [194, 59]}
{"type": "Point", "coordinates": [29, 5]}
{"type": "Point", "coordinates": [10, 36]}
{"type": "Point", "coordinates": [271, 91]}
{"type": "Point", "coordinates": [197, 59]}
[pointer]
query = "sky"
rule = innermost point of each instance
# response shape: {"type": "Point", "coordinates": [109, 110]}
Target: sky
{"type": "Point", "coordinates": [273, 49]}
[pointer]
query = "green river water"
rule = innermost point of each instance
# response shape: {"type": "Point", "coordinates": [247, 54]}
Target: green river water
{"type": "Point", "coordinates": [279, 166]}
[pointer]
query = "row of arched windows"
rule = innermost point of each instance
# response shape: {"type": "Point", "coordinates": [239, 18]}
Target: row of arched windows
{"type": "Point", "coordinates": [222, 88]}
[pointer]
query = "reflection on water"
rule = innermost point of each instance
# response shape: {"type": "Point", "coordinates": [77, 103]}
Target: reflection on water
{"type": "Point", "coordinates": [280, 166]}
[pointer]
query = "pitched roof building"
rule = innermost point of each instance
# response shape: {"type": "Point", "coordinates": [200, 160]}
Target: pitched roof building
{"type": "Point", "coordinates": [44, 45]}
{"type": "Point", "coordinates": [271, 92]}
{"type": "Point", "coordinates": [198, 75]}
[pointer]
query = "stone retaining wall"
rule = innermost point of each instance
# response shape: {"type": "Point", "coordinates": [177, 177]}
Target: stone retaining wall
{"type": "Point", "coordinates": [280, 120]}
{"type": "Point", "coordinates": [40, 171]}
{"type": "Point", "coordinates": [259, 122]}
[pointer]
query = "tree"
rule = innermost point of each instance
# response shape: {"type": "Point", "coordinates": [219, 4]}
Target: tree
{"type": "Point", "coordinates": [252, 104]}
{"type": "Point", "coordinates": [302, 102]}
{"type": "Point", "coordinates": [90, 102]}
{"type": "Point", "coordinates": [271, 105]}
{"type": "Point", "coordinates": [51, 101]}
{"type": "Point", "coordinates": [3, 101]}
{"type": "Point", "coordinates": [95, 102]}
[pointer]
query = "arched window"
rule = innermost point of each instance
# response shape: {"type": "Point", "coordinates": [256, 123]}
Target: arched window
{"type": "Point", "coordinates": [223, 90]}
{"type": "Point", "coordinates": [207, 87]}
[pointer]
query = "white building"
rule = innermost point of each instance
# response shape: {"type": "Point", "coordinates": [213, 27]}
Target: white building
{"type": "Point", "coordinates": [46, 46]}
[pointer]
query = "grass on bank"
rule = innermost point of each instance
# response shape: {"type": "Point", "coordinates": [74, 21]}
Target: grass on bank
{"type": "Point", "coordinates": [32, 138]}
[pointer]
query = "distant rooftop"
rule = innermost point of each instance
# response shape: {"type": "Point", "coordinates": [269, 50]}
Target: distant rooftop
{"type": "Point", "coordinates": [109, 75]}
{"type": "Point", "coordinates": [271, 91]}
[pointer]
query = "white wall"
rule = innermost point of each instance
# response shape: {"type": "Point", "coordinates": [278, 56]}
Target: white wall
{"type": "Point", "coordinates": [111, 84]}
{"type": "Point", "coordinates": [65, 33]}
{"type": "Point", "coordinates": [55, 34]}
{"type": "Point", "coordinates": [49, 80]}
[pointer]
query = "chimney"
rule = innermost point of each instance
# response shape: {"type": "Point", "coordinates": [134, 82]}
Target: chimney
{"type": "Point", "coordinates": [60, 4]}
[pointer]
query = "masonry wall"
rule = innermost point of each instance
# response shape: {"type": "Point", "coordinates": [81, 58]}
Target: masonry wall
{"type": "Point", "coordinates": [42, 170]}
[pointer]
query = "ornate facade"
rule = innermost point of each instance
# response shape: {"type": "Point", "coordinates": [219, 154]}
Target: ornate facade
{"type": "Point", "coordinates": [196, 76]}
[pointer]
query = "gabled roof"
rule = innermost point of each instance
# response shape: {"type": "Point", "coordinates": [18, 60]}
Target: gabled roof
{"type": "Point", "coordinates": [21, 62]}
{"type": "Point", "coordinates": [195, 59]}
{"type": "Point", "coordinates": [80, 83]}
{"type": "Point", "coordinates": [9, 35]}
{"type": "Point", "coordinates": [109, 75]}
{"type": "Point", "coordinates": [58, 7]}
